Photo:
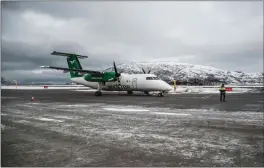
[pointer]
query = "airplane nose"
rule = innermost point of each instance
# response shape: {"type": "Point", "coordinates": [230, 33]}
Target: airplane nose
{"type": "Point", "coordinates": [166, 86]}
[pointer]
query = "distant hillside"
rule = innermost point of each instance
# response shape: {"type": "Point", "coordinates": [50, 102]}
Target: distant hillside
{"type": "Point", "coordinates": [196, 74]}
{"type": "Point", "coordinates": [6, 82]}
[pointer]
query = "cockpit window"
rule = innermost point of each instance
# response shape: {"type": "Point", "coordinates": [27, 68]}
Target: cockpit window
{"type": "Point", "coordinates": [152, 78]}
{"type": "Point", "coordinates": [149, 78]}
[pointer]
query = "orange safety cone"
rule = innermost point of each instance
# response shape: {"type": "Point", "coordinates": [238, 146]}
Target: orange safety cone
{"type": "Point", "coordinates": [32, 98]}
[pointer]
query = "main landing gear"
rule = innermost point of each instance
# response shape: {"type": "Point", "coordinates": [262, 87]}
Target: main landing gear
{"type": "Point", "coordinates": [147, 93]}
{"type": "Point", "coordinates": [160, 94]}
{"type": "Point", "coordinates": [99, 93]}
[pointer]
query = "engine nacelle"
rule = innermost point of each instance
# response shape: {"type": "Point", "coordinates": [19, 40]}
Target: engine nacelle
{"type": "Point", "coordinates": [102, 77]}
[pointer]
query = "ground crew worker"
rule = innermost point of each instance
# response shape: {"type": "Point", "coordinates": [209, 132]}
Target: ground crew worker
{"type": "Point", "coordinates": [174, 85]}
{"type": "Point", "coordinates": [222, 93]}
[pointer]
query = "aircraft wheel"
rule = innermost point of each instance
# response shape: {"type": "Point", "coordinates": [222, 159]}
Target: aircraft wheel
{"type": "Point", "coordinates": [98, 93]}
{"type": "Point", "coordinates": [129, 92]}
{"type": "Point", "coordinates": [160, 95]}
{"type": "Point", "coordinates": [147, 93]}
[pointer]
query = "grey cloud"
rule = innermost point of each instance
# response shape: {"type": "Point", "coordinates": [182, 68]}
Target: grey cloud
{"type": "Point", "coordinates": [225, 35]}
{"type": "Point", "coordinates": [18, 55]}
{"type": "Point", "coordinates": [28, 56]}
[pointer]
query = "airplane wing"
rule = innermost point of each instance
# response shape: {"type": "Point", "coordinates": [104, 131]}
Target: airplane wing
{"type": "Point", "coordinates": [68, 69]}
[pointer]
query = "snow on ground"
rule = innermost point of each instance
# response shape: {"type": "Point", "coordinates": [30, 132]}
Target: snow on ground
{"type": "Point", "coordinates": [179, 89]}
{"type": "Point", "coordinates": [2, 127]}
{"type": "Point", "coordinates": [192, 89]}
{"type": "Point", "coordinates": [206, 89]}
{"type": "Point", "coordinates": [196, 137]}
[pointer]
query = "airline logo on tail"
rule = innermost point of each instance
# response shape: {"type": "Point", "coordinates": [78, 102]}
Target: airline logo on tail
{"type": "Point", "coordinates": [72, 62]}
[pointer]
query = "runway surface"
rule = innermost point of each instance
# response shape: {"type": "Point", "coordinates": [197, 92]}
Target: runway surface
{"type": "Point", "coordinates": [75, 128]}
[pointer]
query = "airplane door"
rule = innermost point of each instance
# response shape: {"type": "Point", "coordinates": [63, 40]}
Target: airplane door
{"type": "Point", "coordinates": [134, 83]}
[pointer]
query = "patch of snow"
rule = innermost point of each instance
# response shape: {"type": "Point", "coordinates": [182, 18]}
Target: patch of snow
{"type": "Point", "coordinates": [79, 105]}
{"type": "Point", "coordinates": [22, 121]}
{"type": "Point", "coordinates": [2, 126]}
{"type": "Point", "coordinates": [180, 114]}
{"type": "Point", "coordinates": [123, 109]}
{"type": "Point", "coordinates": [80, 90]}
{"type": "Point", "coordinates": [66, 117]}
{"type": "Point", "coordinates": [208, 89]}
{"type": "Point", "coordinates": [48, 119]}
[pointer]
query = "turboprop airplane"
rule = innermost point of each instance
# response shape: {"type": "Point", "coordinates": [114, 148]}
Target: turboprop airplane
{"type": "Point", "coordinates": [111, 81]}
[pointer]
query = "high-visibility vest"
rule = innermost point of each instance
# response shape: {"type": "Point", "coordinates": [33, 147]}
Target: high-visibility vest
{"type": "Point", "coordinates": [222, 89]}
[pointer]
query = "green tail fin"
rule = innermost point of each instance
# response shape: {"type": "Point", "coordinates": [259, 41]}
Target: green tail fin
{"type": "Point", "coordinates": [74, 63]}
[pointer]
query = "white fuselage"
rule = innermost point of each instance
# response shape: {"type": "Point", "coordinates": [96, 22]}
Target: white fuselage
{"type": "Point", "coordinates": [129, 82]}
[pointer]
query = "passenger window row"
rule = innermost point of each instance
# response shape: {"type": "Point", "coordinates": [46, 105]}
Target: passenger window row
{"type": "Point", "coordinates": [152, 78]}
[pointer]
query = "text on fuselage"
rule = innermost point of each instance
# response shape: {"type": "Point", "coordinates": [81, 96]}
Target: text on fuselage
{"type": "Point", "coordinates": [118, 87]}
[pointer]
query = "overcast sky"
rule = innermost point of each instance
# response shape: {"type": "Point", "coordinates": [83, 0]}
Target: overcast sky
{"type": "Point", "coordinates": [225, 35]}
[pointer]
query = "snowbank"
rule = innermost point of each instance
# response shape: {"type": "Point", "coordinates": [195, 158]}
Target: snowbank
{"type": "Point", "coordinates": [212, 89]}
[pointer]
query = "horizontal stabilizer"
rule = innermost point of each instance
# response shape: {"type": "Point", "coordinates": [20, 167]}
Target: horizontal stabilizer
{"type": "Point", "coordinates": [68, 69]}
{"type": "Point", "coordinates": [67, 54]}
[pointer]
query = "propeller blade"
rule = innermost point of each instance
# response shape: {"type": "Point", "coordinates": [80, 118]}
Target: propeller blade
{"type": "Point", "coordinates": [149, 71]}
{"type": "Point", "coordinates": [143, 70]}
{"type": "Point", "coordinates": [115, 67]}
{"type": "Point", "coordinates": [117, 74]}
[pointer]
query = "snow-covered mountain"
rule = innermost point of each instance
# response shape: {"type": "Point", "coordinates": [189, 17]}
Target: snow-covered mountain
{"type": "Point", "coordinates": [188, 72]}
{"type": "Point", "coordinates": [6, 82]}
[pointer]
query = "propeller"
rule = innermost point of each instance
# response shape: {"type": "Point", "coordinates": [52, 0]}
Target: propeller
{"type": "Point", "coordinates": [149, 71]}
{"type": "Point", "coordinates": [116, 73]}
